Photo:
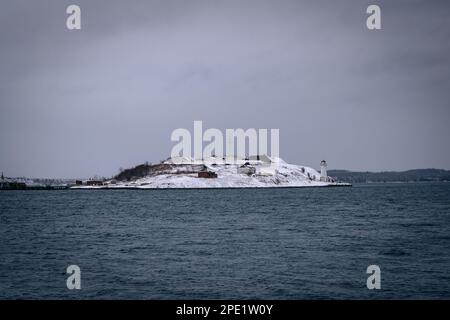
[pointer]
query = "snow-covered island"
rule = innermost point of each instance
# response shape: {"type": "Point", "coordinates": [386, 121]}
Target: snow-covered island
{"type": "Point", "coordinates": [185, 173]}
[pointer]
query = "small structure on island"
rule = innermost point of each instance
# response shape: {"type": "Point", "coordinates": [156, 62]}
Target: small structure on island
{"type": "Point", "coordinates": [207, 174]}
{"type": "Point", "coordinates": [266, 171]}
{"type": "Point", "coordinates": [323, 171]}
{"type": "Point", "coordinates": [94, 183]}
{"type": "Point", "coordinates": [264, 158]}
{"type": "Point", "coordinates": [246, 169]}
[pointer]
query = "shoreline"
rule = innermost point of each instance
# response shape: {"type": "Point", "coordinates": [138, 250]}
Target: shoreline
{"type": "Point", "coordinates": [208, 188]}
{"type": "Point", "coordinates": [175, 188]}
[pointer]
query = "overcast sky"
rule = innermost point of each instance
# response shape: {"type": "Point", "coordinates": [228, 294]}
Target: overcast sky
{"type": "Point", "coordinates": [86, 102]}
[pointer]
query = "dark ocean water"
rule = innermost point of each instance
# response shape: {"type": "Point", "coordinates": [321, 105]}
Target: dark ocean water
{"type": "Point", "coordinates": [247, 243]}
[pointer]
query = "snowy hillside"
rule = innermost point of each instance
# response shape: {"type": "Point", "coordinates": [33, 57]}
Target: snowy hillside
{"type": "Point", "coordinates": [212, 173]}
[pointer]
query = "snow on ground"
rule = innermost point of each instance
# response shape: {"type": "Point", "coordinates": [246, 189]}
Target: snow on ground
{"type": "Point", "coordinates": [275, 173]}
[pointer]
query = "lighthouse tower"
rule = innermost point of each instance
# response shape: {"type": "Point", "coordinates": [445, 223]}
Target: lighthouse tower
{"type": "Point", "coordinates": [323, 171]}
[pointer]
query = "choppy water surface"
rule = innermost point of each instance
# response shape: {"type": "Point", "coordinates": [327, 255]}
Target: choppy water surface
{"type": "Point", "coordinates": [247, 243]}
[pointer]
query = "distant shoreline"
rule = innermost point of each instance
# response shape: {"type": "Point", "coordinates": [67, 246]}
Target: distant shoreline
{"type": "Point", "coordinates": [416, 175]}
{"type": "Point", "coordinates": [343, 176]}
{"type": "Point", "coordinates": [49, 188]}
{"type": "Point", "coordinates": [343, 185]}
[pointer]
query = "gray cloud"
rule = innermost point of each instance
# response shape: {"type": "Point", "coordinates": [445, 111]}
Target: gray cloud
{"type": "Point", "coordinates": [79, 103]}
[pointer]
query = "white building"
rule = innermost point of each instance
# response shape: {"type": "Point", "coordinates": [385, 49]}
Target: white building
{"type": "Point", "coordinates": [323, 171]}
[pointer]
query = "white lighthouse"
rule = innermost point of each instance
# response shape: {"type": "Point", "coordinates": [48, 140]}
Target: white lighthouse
{"type": "Point", "coordinates": [323, 171]}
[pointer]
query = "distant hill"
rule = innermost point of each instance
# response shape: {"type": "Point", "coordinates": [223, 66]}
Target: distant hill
{"type": "Point", "coordinates": [391, 176]}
